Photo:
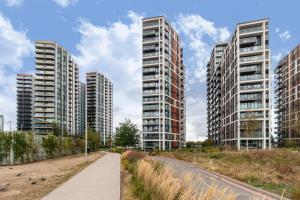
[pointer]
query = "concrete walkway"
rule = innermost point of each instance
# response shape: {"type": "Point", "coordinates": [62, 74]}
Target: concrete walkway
{"type": "Point", "coordinates": [100, 180]}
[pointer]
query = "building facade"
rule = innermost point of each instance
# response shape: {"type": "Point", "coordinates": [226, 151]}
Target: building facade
{"type": "Point", "coordinates": [245, 88]}
{"type": "Point", "coordinates": [214, 120]}
{"type": "Point", "coordinates": [81, 108]}
{"type": "Point", "coordinates": [99, 91]}
{"type": "Point", "coordinates": [25, 83]}
{"type": "Point", "coordinates": [163, 86]}
{"type": "Point", "coordinates": [1, 123]}
{"type": "Point", "coordinates": [56, 89]}
{"type": "Point", "coordinates": [288, 97]}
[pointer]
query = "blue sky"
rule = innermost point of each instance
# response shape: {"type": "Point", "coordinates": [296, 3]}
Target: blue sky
{"type": "Point", "coordinates": [106, 36]}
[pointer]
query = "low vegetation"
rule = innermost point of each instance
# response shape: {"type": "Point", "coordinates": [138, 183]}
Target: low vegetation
{"type": "Point", "coordinates": [277, 170]}
{"type": "Point", "coordinates": [27, 147]}
{"type": "Point", "coordinates": [151, 180]}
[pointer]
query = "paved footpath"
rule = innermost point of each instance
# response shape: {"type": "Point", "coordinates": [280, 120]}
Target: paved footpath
{"type": "Point", "coordinates": [203, 178]}
{"type": "Point", "coordinates": [100, 180]}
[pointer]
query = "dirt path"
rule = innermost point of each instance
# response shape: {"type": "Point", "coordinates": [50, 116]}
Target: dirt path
{"type": "Point", "coordinates": [38, 179]}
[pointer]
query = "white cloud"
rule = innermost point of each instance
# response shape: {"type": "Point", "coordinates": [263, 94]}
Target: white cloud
{"type": "Point", "coordinates": [116, 51]}
{"type": "Point", "coordinates": [277, 57]}
{"type": "Point", "coordinates": [14, 3]}
{"type": "Point", "coordinates": [14, 47]}
{"type": "Point", "coordinates": [201, 35]}
{"type": "Point", "coordinates": [65, 3]}
{"type": "Point", "coordinates": [283, 35]}
{"type": "Point", "coordinates": [196, 119]}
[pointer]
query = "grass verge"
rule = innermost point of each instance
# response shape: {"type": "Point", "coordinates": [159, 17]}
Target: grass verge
{"type": "Point", "coordinates": [151, 180]}
{"type": "Point", "coordinates": [276, 171]}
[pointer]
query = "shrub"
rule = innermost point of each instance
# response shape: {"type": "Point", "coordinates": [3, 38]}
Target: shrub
{"type": "Point", "coordinates": [50, 145]}
{"type": "Point", "coordinates": [290, 144]}
{"type": "Point", "coordinates": [117, 150]}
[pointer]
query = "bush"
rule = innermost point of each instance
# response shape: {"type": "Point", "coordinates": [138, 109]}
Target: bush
{"type": "Point", "coordinates": [117, 150]}
{"type": "Point", "coordinates": [50, 145]}
{"type": "Point", "coordinates": [290, 144]}
{"type": "Point", "coordinates": [129, 159]}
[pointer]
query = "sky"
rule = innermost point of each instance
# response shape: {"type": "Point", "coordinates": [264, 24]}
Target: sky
{"type": "Point", "coordinates": [105, 36]}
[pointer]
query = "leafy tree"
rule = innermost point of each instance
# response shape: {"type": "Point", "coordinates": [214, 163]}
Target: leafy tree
{"type": "Point", "coordinates": [56, 130]}
{"type": "Point", "coordinates": [127, 134]}
{"type": "Point", "coordinates": [250, 125]}
{"type": "Point", "coordinates": [93, 139]}
{"type": "Point", "coordinates": [208, 143]}
{"type": "Point", "coordinates": [20, 146]}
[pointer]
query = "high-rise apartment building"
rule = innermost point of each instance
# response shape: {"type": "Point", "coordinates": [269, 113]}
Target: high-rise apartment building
{"type": "Point", "coordinates": [99, 91]}
{"type": "Point", "coordinates": [214, 93]}
{"type": "Point", "coordinates": [288, 97]}
{"type": "Point", "coordinates": [25, 84]}
{"type": "Point", "coordinates": [163, 86]}
{"type": "Point", "coordinates": [81, 108]}
{"type": "Point", "coordinates": [1, 123]}
{"type": "Point", "coordinates": [56, 88]}
{"type": "Point", "coordinates": [245, 88]}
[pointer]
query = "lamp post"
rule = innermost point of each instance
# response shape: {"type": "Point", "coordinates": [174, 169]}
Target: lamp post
{"type": "Point", "coordinates": [86, 129]}
{"type": "Point", "coordinates": [11, 149]}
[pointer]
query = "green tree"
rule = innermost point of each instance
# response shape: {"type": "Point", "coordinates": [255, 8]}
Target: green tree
{"type": "Point", "coordinates": [208, 143]}
{"type": "Point", "coordinates": [93, 140]}
{"type": "Point", "coordinates": [127, 134]}
{"type": "Point", "coordinates": [56, 130]}
{"type": "Point", "coordinates": [249, 126]}
{"type": "Point", "coordinates": [50, 144]}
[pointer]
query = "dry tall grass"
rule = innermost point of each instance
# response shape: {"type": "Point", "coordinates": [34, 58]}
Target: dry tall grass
{"type": "Point", "coordinates": [160, 182]}
{"type": "Point", "coordinates": [272, 170]}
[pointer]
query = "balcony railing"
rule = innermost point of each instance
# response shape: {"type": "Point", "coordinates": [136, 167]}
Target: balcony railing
{"type": "Point", "coordinates": [150, 62]}
{"type": "Point", "coordinates": [251, 77]}
{"type": "Point", "coordinates": [248, 49]}
{"type": "Point", "coordinates": [148, 24]}
{"type": "Point", "coordinates": [150, 91]}
{"type": "Point", "coordinates": [251, 58]}
{"type": "Point", "coordinates": [252, 87]}
{"type": "Point", "coordinates": [150, 54]}
{"type": "Point", "coordinates": [150, 77]}
{"type": "Point", "coordinates": [252, 29]}
{"type": "Point", "coordinates": [151, 39]}
{"type": "Point", "coordinates": [245, 106]}
{"type": "Point", "coordinates": [250, 68]}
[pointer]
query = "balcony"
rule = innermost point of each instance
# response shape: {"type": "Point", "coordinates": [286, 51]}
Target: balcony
{"type": "Point", "coordinates": [146, 92]}
{"type": "Point", "coordinates": [251, 58]}
{"type": "Point", "coordinates": [150, 24]}
{"type": "Point", "coordinates": [146, 85]}
{"type": "Point", "coordinates": [151, 114]}
{"type": "Point", "coordinates": [153, 39]}
{"type": "Point", "coordinates": [249, 49]}
{"type": "Point", "coordinates": [251, 68]}
{"type": "Point", "coordinates": [150, 77]}
{"type": "Point", "coordinates": [152, 69]}
{"type": "Point", "coordinates": [150, 32]}
{"type": "Point", "coordinates": [251, 77]}
{"type": "Point", "coordinates": [151, 107]}
{"type": "Point", "coordinates": [246, 106]}
{"type": "Point", "coordinates": [150, 62]}
{"type": "Point", "coordinates": [145, 55]}
{"type": "Point", "coordinates": [251, 29]}
{"type": "Point", "coordinates": [252, 87]}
